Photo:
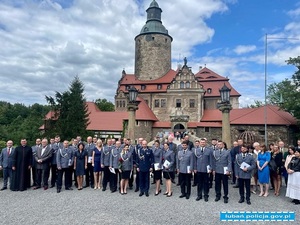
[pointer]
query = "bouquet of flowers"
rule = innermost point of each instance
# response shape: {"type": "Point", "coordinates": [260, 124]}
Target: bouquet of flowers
{"type": "Point", "coordinates": [121, 163]}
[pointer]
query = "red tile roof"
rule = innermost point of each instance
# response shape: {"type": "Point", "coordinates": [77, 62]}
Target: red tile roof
{"type": "Point", "coordinates": [204, 124]}
{"type": "Point", "coordinates": [252, 116]}
{"type": "Point", "coordinates": [161, 124]}
{"type": "Point", "coordinates": [215, 86]}
{"type": "Point", "coordinates": [206, 74]}
{"type": "Point", "coordinates": [113, 121]}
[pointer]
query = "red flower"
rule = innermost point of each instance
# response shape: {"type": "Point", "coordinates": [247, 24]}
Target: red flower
{"type": "Point", "coordinates": [121, 160]}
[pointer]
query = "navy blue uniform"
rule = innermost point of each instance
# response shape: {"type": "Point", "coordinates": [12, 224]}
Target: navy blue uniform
{"type": "Point", "coordinates": [144, 160]}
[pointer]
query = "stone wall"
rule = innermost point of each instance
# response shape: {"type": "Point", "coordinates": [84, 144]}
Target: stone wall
{"type": "Point", "coordinates": [152, 56]}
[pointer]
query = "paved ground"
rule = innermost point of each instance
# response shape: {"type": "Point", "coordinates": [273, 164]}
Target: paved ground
{"type": "Point", "coordinates": [96, 207]}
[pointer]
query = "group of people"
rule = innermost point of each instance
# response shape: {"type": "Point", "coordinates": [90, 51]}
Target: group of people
{"type": "Point", "coordinates": [117, 164]}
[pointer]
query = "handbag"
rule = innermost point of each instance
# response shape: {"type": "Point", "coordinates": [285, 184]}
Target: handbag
{"type": "Point", "coordinates": [272, 165]}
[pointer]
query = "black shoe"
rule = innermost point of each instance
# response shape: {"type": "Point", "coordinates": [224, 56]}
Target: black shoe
{"type": "Point", "coordinates": [194, 185]}
{"type": "Point", "coordinates": [4, 188]}
{"type": "Point", "coordinates": [52, 186]}
{"type": "Point", "coordinates": [241, 200]}
{"type": "Point", "coordinates": [248, 202]}
{"type": "Point", "coordinates": [112, 191]}
{"type": "Point", "coordinates": [103, 189]}
{"type": "Point", "coordinates": [198, 198]}
{"type": "Point", "coordinates": [173, 181]}
{"type": "Point", "coordinates": [187, 196]}
{"type": "Point", "coordinates": [210, 186]}
{"type": "Point", "coordinates": [92, 186]}
{"type": "Point", "coordinates": [58, 190]}
{"type": "Point", "coordinates": [147, 194]}
{"type": "Point", "coordinates": [136, 190]}
{"type": "Point", "coordinates": [85, 186]}
{"type": "Point", "coordinates": [206, 199]}
{"type": "Point", "coordinates": [182, 196]}
{"type": "Point", "coordinates": [36, 187]}
{"type": "Point", "coordinates": [69, 189]}
{"type": "Point", "coordinates": [225, 200]}
{"type": "Point", "coordinates": [294, 200]}
{"type": "Point", "coordinates": [153, 183]}
{"type": "Point", "coordinates": [141, 194]}
{"type": "Point", "coordinates": [232, 182]}
{"type": "Point", "coordinates": [236, 186]}
{"type": "Point", "coordinates": [161, 183]}
{"type": "Point", "coordinates": [177, 184]}
{"type": "Point", "coordinates": [217, 199]}
{"type": "Point", "coordinates": [297, 202]}
{"type": "Point", "coordinates": [130, 188]}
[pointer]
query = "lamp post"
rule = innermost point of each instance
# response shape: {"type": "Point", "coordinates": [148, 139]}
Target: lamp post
{"type": "Point", "coordinates": [132, 106]}
{"type": "Point", "coordinates": [225, 107]}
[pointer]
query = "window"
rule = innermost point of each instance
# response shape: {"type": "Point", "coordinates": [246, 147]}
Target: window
{"type": "Point", "coordinates": [159, 86]}
{"type": "Point", "coordinates": [123, 103]}
{"type": "Point", "coordinates": [178, 103]}
{"type": "Point", "coordinates": [163, 103]}
{"type": "Point", "coordinates": [187, 84]}
{"type": "Point", "coordinates": [209, 90]}
{"type": "Point", "coordinates": [261, 132]}
{"type": "Point", "coordinates": [143, 86]}
{"type": "Point", "coordinates": [137, 123]}
{"type": "Point", "coordinates": [192, 103]}
{"type": "Point", "coordinates": [117, 103]}
{"type": "Point", "coordinates": [127, 87]}
{"type": "Point", "coordinates": [206, 129]}
{"type": "Point", "coordinates": [146, 123]}
{"type": "Point", "coordinates": [181, 84]}
{"type": "Point", "coordinates": [156, 103]}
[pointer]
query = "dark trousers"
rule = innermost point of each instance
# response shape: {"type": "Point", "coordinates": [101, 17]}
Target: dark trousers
{"type": "Point", "coordinates": [203, 185]}
{"type": "Point", "coordinates": [195, 179]}
{"type": "Point", "coordinates": [53, 174]}
{"type": "Point", "coordinates": [89, 175]}
{"type": "Point", "coordinates": [210, 180]}
{"type": "Point", "coordinates": [106, 176]}
{"type": "Point", "coordinates": [42, 174]}
{"type": "Point", "coordinates": [242, 184]}
{"type": "Point", "coordinates": [185, 183]}
{"type": "Point", "coordinates": [7, 175]}
{"type": "Point", "coordinates": [233, 172]}
{"type": "Point", "coordinates": [113, 183]}
{"type": "Point", "coordinates": [68, 177]}
{"type": "Point", "coordinates": [221, 179]}
{"type": "Point", "coordinates": [33, 170]}
{"type": "Point", "coordinates": [144, 181]}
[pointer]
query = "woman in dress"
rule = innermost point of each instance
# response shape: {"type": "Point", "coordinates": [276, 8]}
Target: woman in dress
{"type": "Point", "coordinates": [263, 160]}
{"type": "Point", "coordinates": [293, 185]}
{"type": "Point", "coordinates": [276, 174]}
{"type": "Point", "coordinates": [288, 158]}
{"type": "Point", "coordinates": [168, 168]}
{"type": "Point", "coordinates": [158, 155]}
{"type": "Point", "coordinates": [125, 168]}
{"type": "Point", "coordinates": [96, 163]}
{"type": "Point", "coordinates": [80, 164]}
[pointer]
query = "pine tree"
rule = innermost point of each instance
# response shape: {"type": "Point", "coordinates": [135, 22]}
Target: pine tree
{"type": "Point", "coordinates": [71, 111]}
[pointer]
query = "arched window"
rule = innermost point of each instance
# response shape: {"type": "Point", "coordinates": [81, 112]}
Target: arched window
{"type": "Point", "coordinates": [187, 84]}
{"type": "Point", "coordinates": [209, 90]}
{"type": "Point", "coordinates": [181, 84]}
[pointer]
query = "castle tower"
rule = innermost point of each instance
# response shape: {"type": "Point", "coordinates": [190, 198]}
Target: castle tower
{"type": "Point", "coordinates": [152, 47]}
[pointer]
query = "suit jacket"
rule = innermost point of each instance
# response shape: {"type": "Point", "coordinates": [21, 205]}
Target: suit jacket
{"type": "Point", "coordinates": [249, 160]}
{"type": "Point", "coordinates": [64, 157]}
{"type": "Point", "coordinates": [90, 148]}
{"type": "Point", "coordinates": [185, 159]}
{"type": "Point", "coordinates": [5, 159]}
{"type": "Point", "coordinates": [56, 147]}
{"type": "Point", "coordinates": [114, 157]}
{"type": "Point", "coordinates": [145, 159]}
{"type": "Point", "coordinates": [221, 160]}
{"type": "Point", "coordinates": [127, 163]}
{"type": "Point", "coordinates": [105, 157]}
{"type": "Point", "coordinates": [158, 155]}
{"type": "Point", "coordinates": [234, 151]}
{"type": "Point", "coordinates": [34, 150]}
{"type": "Point", "coordinates": [45, 157]}
{"type": "Point", "coordinates": [203, 159]}
{"type": "Point", "coordinates": [170, 156]}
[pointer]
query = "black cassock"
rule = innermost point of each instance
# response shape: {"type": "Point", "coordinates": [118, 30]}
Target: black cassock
{"type": "Point", "coordinates": [22, 159]}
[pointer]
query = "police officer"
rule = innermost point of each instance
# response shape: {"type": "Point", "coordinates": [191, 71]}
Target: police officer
{"type": "Point", "coordinates": [105, 158]}
{"type": "Point", "coordinates": [221, 170]}
{"type": "Point", "coordinates": [144, 162]}
{"type": "Point", "coordinates": [64, 159]}
{"type": "Point", "coordinates": [244, 165]}
{"type": "Point", "coordinates": [114, 164]}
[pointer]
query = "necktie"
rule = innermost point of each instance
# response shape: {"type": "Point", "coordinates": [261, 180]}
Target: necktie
{"type": "Point", "coordinates": [220, 151]}
{"type": "Point", "coordinates": [8, 151]}
{"type": "Point", "coordinates": [201, 150]}
{"type": "Point", "coordinates": [244, 155]}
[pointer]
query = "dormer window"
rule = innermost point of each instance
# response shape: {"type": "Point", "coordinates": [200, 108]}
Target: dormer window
{"type": "Point", "coordinates": [209, 90]}
{"type": "Point", "coordinates": [127, 87]}
{"type": "Point", "coordinates": [143, 87]}
{"type": "Point", "coordinates": [159, 86]}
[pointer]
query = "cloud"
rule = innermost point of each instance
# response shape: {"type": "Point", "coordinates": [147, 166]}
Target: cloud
{"type": "Point", "coordinates": [242, 49]}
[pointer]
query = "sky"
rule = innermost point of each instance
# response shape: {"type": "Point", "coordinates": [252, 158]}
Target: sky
{"type": "Point", "coordinates": [46, 43]}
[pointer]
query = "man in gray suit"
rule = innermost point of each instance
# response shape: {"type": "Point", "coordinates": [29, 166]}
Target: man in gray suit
{"type": "Point", "coordinates": [244, 164]}
{"type": "Point", "coordinates": [185, 163]}
{"type": "Point", "coordinates": [42, 158]}
{"type": "Point", "coordinates": [221, 170]}
{"type": "Point", "coordinates": [55, 145]}
{"type": "Point", "coordinates": [6, 163]}
{"type": "Point", "coordinates": [89, 172]}
{"type": "Point", "coordinates": [33, 168]}
{"type": "Point", "coordinates": [203, 159]}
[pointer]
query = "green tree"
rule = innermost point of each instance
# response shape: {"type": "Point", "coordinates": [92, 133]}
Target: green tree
{"type": "Point", "coordinates": [71, 111]}
{"type": "Point", "coordinates": [286, 93]}
{"type": "Point", "coordinates": [256, 104]}
{"type": "Point", "coordinates": [105, 105]}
